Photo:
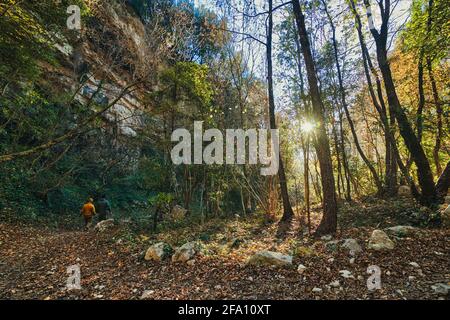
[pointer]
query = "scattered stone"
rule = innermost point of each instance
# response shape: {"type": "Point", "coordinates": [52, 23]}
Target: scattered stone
{"type": "Point", "coordinates": [414, 264]}
{"type": "Point", "coordinates": [411, 278]}
{"type": "Point", "coordinates": [400, 231]}
{"type": "Point", "coordinates": [104, 225]}
{"type": "Point", "coordinates": [352, 245]}
{"type": "Point", "coordinates": [379, 240]}
{"type": "Point", "coordinates": [147, 294]}
{"type": "Point", "coordinates": [270, 258]}
{"type": "Point", "coordinates": [301, 268]}
{"type": "Point", "coordinates": [158, 252]}
{"type": "Point", "coordinates": [327, 237]}
{"type": "Point", "coordinates": [440, 288]}
{"type": "Point", "coordinates": [186, 252]}
{"type": "Point", "coordinates": [352, 260]}
{"type": "Point", "coordinates": [191, 262]}
{"type": "Point", "coordinates": [331, 260]}
{"type": "Point", "coordinates": [346, 274]}
{"type": "Point", "coordinates": [317, 290]}
{"type": "Point", "coordinates": [335, 284]}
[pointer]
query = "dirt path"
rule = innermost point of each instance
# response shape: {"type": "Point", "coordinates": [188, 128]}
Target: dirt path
{"type": "Point", "coordinates": [34, 261]}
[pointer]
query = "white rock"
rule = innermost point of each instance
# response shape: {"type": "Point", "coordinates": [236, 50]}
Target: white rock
{"type": "Point", "coordinates": [147, 294]}
{"type": "Point", "coordinates": [400, 231]}
{"type": "Point", "coordinates": [186, 252]}
{"type": "Point", "coordinates": [335, 284]}
{"type": "Point", "coordinates": [379, 240]}
{"type": "Point", "coordinates": [346, 274]}
{"type": "Point", "coordinates": [352, 246]}
{"type": "Point", "coordinates": [414, 264]}
{"type": "Point", "coordinates": [327, 237]}
{"type": "Point", "coordinates": [411, 278]}
{"type": "Point", "coordinates": [104, 225]}
{"type": "Point", "coordinates": [158, 252]}
{"type": "Point", "coordinates": [352, 260]}
{"type": "Point", "coordinates": [317, 290]}
{"type": "Point", "coordinates": [440, 288]}
{"type": "Point", "coordinates": [270, 258]}
{"type": "Point", "coordinates": [301, 268]}
{"type": "Point", "coordinates": [331, 260]}
{"type": "Point", "coordinates": [191, 262]}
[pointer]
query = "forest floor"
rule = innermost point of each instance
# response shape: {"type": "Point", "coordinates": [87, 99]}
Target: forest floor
{"type": "Point", "coordinates": [34, 260]}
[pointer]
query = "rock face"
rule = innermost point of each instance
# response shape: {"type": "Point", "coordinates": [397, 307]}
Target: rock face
{"type": "Point", "coordinates": [404, 191]}
{"type": "Point", "coordinates": [178, 213]}
{"type": "Point", "coordinates": [352, 245]}
{"type": "Point", "coordinates": [379, 240]}
{"type": "Point", "coordinates": [270, 258]}
{"type": "Point", "coordinates": [186, 252]}
{"type": "Point", "coordinates": [400, 231]}
{"type": "Point", "coordinates": [158, 252]}
{"type": "Point", "coordinates": [104, 225]}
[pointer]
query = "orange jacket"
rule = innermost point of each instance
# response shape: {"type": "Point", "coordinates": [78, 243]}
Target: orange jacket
{"type": "Point", "coordinates": [88, 210]}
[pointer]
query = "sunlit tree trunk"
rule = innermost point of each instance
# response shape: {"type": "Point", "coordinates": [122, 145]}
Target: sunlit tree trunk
{"type": "Point", "coordinates": [321, 142]}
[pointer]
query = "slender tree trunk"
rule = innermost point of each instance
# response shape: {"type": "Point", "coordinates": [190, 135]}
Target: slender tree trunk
{"type": "Point", "coordinates": [439, 111]}
{"type": "Point", "coordinates": [288, 213]}
{"type": "Point", "coordinates": [425, 176]}
{"type": "Point", "coordinates": [321, 143]}
{"type": "Point", "coordinates": [419, 120]}
{"type": "Point", "coordinates": [369, 165]}
{"type": "Point", "coordinates": [443, 182]}
{"type": "Point", "coordinates": [347, 173]}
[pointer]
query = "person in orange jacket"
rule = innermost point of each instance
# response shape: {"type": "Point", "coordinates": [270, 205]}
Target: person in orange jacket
{"type": "Point", "coordinates": [88, 212]}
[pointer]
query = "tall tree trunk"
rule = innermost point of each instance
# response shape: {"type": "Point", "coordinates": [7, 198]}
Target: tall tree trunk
{"type": "Point", "coordinates": [321, 143]}
{"type": "Point", "coordinates": [428, 195]}
{"type": "Point", "coordinates": [419, 120]}
{"type": "Point", "coordinates": [288, 213]}
{"type": "Point", "coordinates": [439, 111]}
{"type": "Point", "coordinates": [369, 165]}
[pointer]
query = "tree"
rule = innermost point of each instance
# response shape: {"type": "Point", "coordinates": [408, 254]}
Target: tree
{"type": "Point", "coordinates": [321, 142]}
{"type": "Point", "coordinates": [428, 189]}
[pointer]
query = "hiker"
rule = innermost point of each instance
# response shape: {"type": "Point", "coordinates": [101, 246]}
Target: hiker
{"type": "Point", "coordinates": [88, 211]}
{"type": "Point", "coordinates": [103, 208]}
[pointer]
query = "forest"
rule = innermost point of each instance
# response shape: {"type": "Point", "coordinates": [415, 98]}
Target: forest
{"type": "Point", "coordinates": [224, 149]}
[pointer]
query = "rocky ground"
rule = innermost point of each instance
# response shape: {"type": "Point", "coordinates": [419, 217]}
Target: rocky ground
{"type": "Point", "coordinates": [289, 264]}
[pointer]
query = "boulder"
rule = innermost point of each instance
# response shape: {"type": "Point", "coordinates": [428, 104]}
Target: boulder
{"type": "Point", "coordinates": [352, 246]}
{"type": "Point", "coordinates": [404, 191]}
{"type": "Point", "coordinates": [158, 252]}
{"type": "Point", "coordinates": [270, 258]}
{"type": "Point", "coordinates": [178, 213]}
{"type": "Point", "coordinates": [104, 225]}
{"type": "Point", "coordinates": [400, 231]}
{"type": "Point", "coordinates": [379, 240]}
{"type": "Point", "coordinates": [186, 252]}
